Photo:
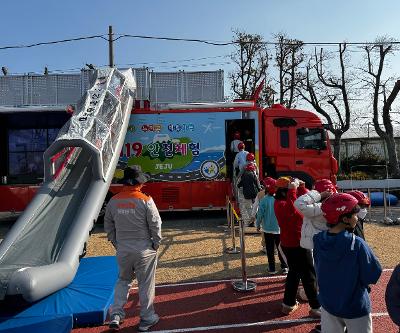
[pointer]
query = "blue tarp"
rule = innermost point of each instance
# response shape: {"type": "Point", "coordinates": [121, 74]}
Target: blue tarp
{"type": "Point", "coordinates": [84, 302]}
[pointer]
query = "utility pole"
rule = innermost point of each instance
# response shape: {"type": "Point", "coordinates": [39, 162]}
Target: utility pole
{"type": "Point", "coordinates": [110, 47]}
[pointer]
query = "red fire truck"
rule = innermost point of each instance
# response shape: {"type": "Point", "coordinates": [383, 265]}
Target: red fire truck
{"type": "Point", "coordinates": [185, 148]}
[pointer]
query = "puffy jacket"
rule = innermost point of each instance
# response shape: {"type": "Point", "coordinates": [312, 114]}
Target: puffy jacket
{"type": "Point", "coordinates": [131, 216]}
{"type": "Point", "coordinates": [240, 160]}
{"type": "Point", "coordinates": [313, 220]}
{"type": "Point", "coordinates": [345, 266]}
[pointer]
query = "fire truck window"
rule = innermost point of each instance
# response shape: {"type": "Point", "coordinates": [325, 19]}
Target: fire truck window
{"type": "Point", "coordinates": [310, 138]}
{"type": "Point", "coordinates": [284, 138]}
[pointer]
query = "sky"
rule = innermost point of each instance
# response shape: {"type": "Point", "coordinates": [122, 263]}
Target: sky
{"type": "Point", "coordinates": [28, 22]}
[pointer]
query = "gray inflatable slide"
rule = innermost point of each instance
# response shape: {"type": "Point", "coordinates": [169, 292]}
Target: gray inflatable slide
{"type": "Point", "coordinates": [40, 254]}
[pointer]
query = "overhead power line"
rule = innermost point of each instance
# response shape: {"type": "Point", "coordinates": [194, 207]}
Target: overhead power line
{"type": "Point", "coordinates": [215, 43]}
{"type": "Point", "coordinates": [175, 61]}
{"type": "Point", "coordinates": [52, 42]}
{"type": "Point", "coordinates": [195, 40]}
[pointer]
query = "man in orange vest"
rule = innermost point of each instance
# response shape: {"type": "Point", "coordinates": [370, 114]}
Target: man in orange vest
{"type": "Point", "coordinates": [133, 226]}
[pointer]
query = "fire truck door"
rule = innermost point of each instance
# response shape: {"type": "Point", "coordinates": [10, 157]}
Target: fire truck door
{"type": "Point", "coordinates": [286, 143]}
{"type": "Point", "coordinates": [311, 148]}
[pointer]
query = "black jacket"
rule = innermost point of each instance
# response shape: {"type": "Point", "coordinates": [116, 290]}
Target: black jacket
{"type": "Point", "coordinates": [250, 184]}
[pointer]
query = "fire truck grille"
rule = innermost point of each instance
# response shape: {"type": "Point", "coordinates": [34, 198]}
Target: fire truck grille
{"type": "Point", "coordinates": [170, 195]}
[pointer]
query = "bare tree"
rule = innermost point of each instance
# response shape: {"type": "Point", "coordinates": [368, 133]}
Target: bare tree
{"type": "Point", "coordinates": [252, 60]}
{"type": "Point", "coordinates": [288, 59]}
{"type": "Point", "coordinates": [376, 56]}
{"type": "Point", "coordinates": [328, 93]}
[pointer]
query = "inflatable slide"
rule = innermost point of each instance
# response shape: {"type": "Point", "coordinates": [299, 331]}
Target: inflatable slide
{"type": "Point", "coordinates": [40, 254]}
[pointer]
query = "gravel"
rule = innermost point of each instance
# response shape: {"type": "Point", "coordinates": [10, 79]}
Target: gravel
{"type": "Point", "coordinates": [194, 244]}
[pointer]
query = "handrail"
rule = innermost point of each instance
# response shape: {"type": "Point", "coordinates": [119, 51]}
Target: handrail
{"type": "Point", "coordinates": [231, 224]}
{"type": "Point", "coordinates": [54, 158]}
{"type": "Point", "coordinates": [244, 284]}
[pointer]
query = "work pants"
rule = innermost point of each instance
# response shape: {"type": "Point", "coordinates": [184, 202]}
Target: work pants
{"type": "Point", "coordinates": [301, 267]}
{"type": "Point", "coordinates": [139, 261]}
{"type": "Point", "coordinates": [245, 206]}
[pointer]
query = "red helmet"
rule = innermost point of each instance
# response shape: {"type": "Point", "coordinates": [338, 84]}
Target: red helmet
{"type": "Point", "coordinates": [250, 167]}
{"type": "Point", "coordinates": [241, 145]}
{"type": "Point", "coordinates": [250, 157]}
{"type": "Point", "coordinates": [270, 185]}
{"type": "Point", "coordinates": [361, 197]}
{"type": "Point", "coordinates": [323, 185]}
{"type": "Point", "coordinates": [236, 135]}
{"type": "Point", "coordinates": [283, 182]}
{"type": "Point", "coordinates": [337, 205]}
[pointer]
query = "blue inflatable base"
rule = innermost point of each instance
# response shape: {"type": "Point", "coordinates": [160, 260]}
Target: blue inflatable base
{"type": "Point", "coordinates": [377, 199]}
{"type": "Point", "coordinates": [84, 302]}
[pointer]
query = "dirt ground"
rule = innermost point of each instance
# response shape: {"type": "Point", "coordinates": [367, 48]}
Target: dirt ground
{"type": "Point", "coordinates": [194, 244]}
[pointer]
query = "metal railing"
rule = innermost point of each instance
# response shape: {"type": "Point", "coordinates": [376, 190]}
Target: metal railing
{"type": "Point", "coordinates": [244, 284]}
{"type": "Point", "coordinates": [231, 216]}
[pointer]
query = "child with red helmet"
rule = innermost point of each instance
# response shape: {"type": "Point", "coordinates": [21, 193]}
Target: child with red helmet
{"type": "Point", "coordinates": [250, 160]}
{"type": "Point", "coordinates": [248, 186]}
{"type": "Point", "coordinates": [364, 203]}
{"type": "Point", "coordinates": [309, 205]}
{"type": "Point", "coordinates": [266, 220]}
{"type": "Point", "coordinates": [235, 142]}
{"type": "Point", "coordinates": [269, 187]}
{"type": "Point", "coordinates": [299, 260]}
{"type": "Point", "coordinates": [345, 266]}
{"type": "Point", "coordinates": [240, 159]}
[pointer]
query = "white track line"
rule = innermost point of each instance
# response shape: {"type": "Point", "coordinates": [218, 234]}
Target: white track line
{"type": "Point", "coordinates": [214, 281]}
{"type": "Point", "coordinates": [228, 280]}
{"type": "Point", "coordinates": [220, 327]}
{"type": "Point", "coordinates": [259, 323]}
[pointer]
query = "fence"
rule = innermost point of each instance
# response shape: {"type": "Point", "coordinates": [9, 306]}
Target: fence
{"type": "Point", "coordinates": [158, 87]}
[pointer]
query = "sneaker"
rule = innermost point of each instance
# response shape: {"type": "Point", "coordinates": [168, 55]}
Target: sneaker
{"type": "Point", "coordinates": [287, 310]}
{"type": "Point", "coordinates": [115, 322]}
{"type": "Point", "coordinates": [284, 271]}
{"type": "Point", "coordinates": [145, 325]}
{"type": "Point", "coordinates": [272, 272]}
{"type": "Point", "coordinates": [315, 313]}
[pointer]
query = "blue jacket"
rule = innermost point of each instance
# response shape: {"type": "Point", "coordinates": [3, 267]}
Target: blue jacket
{"type": "Point", "coordinates": [345, 266]}
{"type": "Point", "coordinates": [266, 215]}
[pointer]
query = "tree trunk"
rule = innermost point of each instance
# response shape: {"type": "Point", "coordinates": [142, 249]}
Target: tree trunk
{"type": "Point", "coordinates": [394, 169]}
{"type": "Point", "coordinates": [336, 147]}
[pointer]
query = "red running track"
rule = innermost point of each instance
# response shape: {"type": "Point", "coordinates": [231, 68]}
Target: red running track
{"type": "Point", "coordinates": [214, 306]}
